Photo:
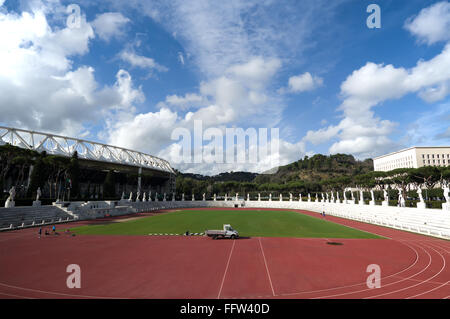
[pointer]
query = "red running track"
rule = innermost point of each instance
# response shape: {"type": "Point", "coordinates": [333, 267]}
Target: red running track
{"type": "Point", "coordinates": [412, 266]}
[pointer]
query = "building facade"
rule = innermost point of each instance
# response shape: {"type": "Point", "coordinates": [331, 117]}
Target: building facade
{"type": "Point", "coordinates": [413, 157]}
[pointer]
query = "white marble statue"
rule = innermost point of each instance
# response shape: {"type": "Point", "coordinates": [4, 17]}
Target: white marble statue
{"type": "Point", "coordinates": [300, 197]}
{"type": "Point", "coordinates": [323, 198]}
{"type": "Point", "coordinates": [361, 196]}
{"type": "Point", "coordinates": [270, 197]}
{"type": "Point", "coordinates": [193, 197]}
{"type": "Point", "coordinates": [37, 202]}
{"type": "Point", "coordinates": [281, 197]}
{"type": "Point", "coordinates": [385, 195]}
{"type": "Point", "coordinates": [237, 196]}
{"type": "Point", "coordinates": [419, 192]}
{"type": "Point", "coordinates": [309, 197]}
{"type": "Point", "coordinates": [446, 191]}
{"type": "Point", "coordinates": [290, 197]}
{"type": "Point", "coordinates": [204, 197]}
{"type": "Point", "coordinates": [182, 197]}
{"type": "Point", "coordinates": [150, 196]}
{"type": "Point", "coordinates": [215, 197]}
{"type": "Point", "coordinates": [10, 200]}
{"type": "Point", "coordinates": [248, 197]}
{"type": "Point", "coordinates": [131, 196]}
{"type": "Point", "coordinates": [144, 197]}
{"type": "Point", "coordinates": [38, 194]}
{"type": "Point", "coordinates": [138, 195]}
{"type": "Point", "coordinates": [164, 197]}
{"type": "Point", "coordinates": [123, 196]}
{"type": "Point", "coordinates": [401, 199]}
{"type": "Point", "coordinates": [328, 199]}
{"type": "Point", "coordinates": [259, 197]}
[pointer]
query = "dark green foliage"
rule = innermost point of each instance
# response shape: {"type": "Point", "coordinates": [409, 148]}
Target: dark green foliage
{"type": "Point", "coordinates": [109, 186]}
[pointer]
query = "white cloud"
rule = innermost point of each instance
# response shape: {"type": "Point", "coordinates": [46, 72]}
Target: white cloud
{"type": "Point", "coordinates": [301, 83]}
{"type": "Point", "coordinates": [40, 90]}
{"type": "Point", "coordinates": [140, 61]}
{"type": "Point", "coordinates": [184, 102]}
{"type": "Point", "coordinates": [181, 57]}
{"type": "Point", "coordinates": [110, 24]}
{"type": "Point", "coordinates": [360, 132]}
{"type": "Point", "coordinates": [432, 24]}
{"type": "Point", "coordinates": [147, 132]}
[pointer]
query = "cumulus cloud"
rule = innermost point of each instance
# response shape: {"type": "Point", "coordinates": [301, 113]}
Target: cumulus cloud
{"type": "Point", "coordinates": [236, 97]}
{"type": "Point", "coordinates": [189, 100]}
{"type": "Point", "coordinates": [39, 88]}
{"type": "Point", "coordinates": [432, 24]}
{"type": "Point", "coordinates": [301, 83]}
{"type": "Point", "coordinates": [360, 132]}
{"type": "Point", "coordinates": [109, 25]}
{"type": "Point", "coordinates": [140, 61]}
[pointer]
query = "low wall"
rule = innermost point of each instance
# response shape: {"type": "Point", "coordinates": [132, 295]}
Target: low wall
{"type": "Point", "coordinates": [433, 222]}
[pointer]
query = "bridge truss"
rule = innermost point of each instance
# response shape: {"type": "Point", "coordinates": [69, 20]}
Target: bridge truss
{"type": "Point", "coordinates": [66, 146]}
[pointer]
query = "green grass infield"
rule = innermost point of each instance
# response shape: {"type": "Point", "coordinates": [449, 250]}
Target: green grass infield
{"type": "Point", "coordinates": [249, 223]}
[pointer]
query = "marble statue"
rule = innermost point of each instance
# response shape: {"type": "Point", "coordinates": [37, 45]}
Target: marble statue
{"type": "Point", "coordinates": [386, 196]}
{"type": "Point", "coordinates": [259, 197]}
{"type": "Point", "coordinates": [309, 197]}
{"type": "Point", "coordinates": [12, 194]}
{"type": "Point", "coordinates": [37, 202]}
{"type": "Point", "coordinates": [38, 194]}
{"type": "Point", "coordinates": [447, 197]}
{"type": "Point", "coordinates": [419, 192]}
{"type": "Point", "coordinates": [270, 197]}
{"type": "Point", "coordinates": [204, 197]}
{"type": "Point", "coordinates": [182, 197]}
{"type": "Point", "coordinates": [248, 197]}
{"type": "Point", "coordinates": [131, 196]}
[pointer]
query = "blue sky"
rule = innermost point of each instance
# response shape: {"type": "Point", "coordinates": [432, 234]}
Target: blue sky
{"type": "Point", "coordinates": [133, 71]}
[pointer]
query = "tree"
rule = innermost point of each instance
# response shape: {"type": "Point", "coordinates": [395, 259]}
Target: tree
{"type": "Point", "coordinates": [109, 186]}
{"type": "Point", "coordinates": [73, 172]}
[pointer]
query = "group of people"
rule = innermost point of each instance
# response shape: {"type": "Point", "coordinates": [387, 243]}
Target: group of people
{"type": "Point", "coordinates": [47, 231]}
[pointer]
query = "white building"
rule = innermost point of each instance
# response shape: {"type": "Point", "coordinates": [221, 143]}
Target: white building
{"type": "Point", "coordinates": [413, 157]}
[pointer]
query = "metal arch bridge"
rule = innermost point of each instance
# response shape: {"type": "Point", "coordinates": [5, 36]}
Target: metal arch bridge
{"type": "Point", "coordinates": [66, 146]}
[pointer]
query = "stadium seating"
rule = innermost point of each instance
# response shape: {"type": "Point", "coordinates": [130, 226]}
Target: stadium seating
{"type": "Point", "coordinates": [20, 217]}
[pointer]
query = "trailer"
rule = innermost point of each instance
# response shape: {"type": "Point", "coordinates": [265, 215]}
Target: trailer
{"type": "Point", "coordinates": [227, 232]}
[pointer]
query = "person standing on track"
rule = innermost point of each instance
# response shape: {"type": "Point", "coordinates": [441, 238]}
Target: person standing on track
{"type": "Point", "coordinates": [54, 229]}
{"type": "Point", "coordinates": [40, 232]}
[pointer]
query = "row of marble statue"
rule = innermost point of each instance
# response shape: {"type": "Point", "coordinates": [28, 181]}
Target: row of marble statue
{"type": "Point", "coordinates": [325, 198]}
